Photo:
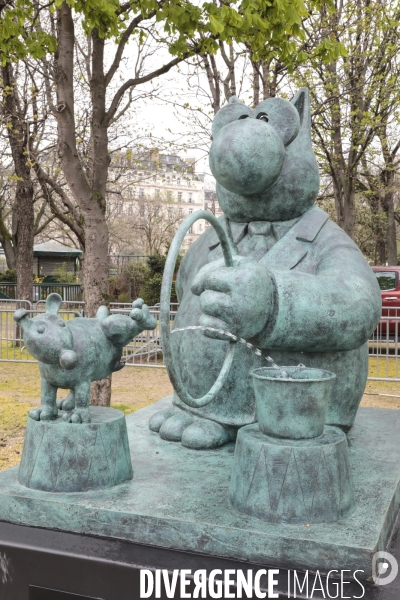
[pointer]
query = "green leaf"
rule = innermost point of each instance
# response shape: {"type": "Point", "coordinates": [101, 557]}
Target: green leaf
{"type": "Point", "coordinates": [216, 26]}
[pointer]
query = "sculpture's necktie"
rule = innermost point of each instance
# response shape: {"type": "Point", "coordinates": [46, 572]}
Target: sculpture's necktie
{"type": "Point", "coordinates": [259, 239]}
{"type": "Point", "coordinates": [253, 239]}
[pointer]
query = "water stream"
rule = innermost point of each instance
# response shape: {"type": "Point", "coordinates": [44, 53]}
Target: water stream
{"type": "Point", "coordinates": [234, 338]}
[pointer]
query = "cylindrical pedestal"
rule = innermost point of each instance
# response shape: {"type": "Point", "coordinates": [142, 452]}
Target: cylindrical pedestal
{"type": "Point", "coordinates": [72, 457]}
{"type": "Point", "coordinates": [292, 481]}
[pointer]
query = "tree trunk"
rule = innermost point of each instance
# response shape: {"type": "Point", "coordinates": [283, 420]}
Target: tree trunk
{"type": "Point", "coordinates": [388, 180]}
{"type": "Point", "coordinates": [213, 81]}
{"type": "Point", "coordinates": [256, 83]}
{"type": "Point", "coordinates": [18, 135]}
{"type": "Point", "coordinates": [344, 202]}
{"type": "Point", "coordinates": [100, 392]}
{"type": "Point", "coordinates": [24, 239]}
{"type": "Point", "coordinates": [90, 194]}
{"type": "Point", "coordinates": [7, 243]}
{"type": "Point", "coordinates": [96, 233]}
{"type": "Point", "coordinates": [95, 266]}
{"type": "Point", "coordinates": [379, 223]}
{"type": "Point", "coordinates": [10, 255]}
{"type": "Point", "coordinates": [342, 171]}
{"type": "Point", "coordinates": [391, 235]}
{"type": "Point", "coordinates": [380, 254]}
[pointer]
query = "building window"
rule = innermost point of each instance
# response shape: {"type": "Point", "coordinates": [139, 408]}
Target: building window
{"type": "Point", "coordinates": [179, 196]}
{"type": "Point", "coordinates": [190, 197]}
{"type": "Point", "coordinates": [190, 211]}
{"type": "Point", "coordinates": [141, 211]}
{"type": "Point", "coordinates": [169, 196]}
{"type": "Point", "coordinates": [180, 212]}
{"type": "Point", "coordinates": [190, 230]}
{"type": "Point", "coordinates": [178, 182]}
{"type": "Point", "coordinates": [189, 183]}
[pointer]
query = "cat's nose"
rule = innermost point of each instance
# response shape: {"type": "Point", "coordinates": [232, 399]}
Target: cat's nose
{"type": "Point", "coordinates": [247, 156]}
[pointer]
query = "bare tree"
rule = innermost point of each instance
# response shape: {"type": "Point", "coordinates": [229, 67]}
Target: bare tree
{"type": "Point", "coordinates": [16, 117]}
{"type": "Point", "coordinates": [150, 221]}
{"type": "Point", "coordinates": [353, 96]}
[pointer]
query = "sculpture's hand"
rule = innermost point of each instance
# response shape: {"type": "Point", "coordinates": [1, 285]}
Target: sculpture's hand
{"type": "Point", "coordinates": [141, 314]}
{"type": "Point", "coordinates": [236, 299]}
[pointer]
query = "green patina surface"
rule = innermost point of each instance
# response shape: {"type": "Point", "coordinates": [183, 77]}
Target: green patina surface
{"type": "Point", "coordinates": [297, 288]}
{"type": "Point", "coordinates": [292, 481]}
{"type": "Point", "coordinates": [179, 499]}
{"type": "Point", "coordinates": [291, 402]}
{"type": "Point", "coordinates": [75, 352]}
{"type": "Point", "coordinates": [60, 457]}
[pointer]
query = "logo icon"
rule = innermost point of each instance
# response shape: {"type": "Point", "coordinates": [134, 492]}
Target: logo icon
{"type": "Point", "coordinates": [384, 568]}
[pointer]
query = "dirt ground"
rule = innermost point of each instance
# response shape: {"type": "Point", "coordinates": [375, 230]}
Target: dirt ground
{"type": "Point", "coordinates": [132, 388]}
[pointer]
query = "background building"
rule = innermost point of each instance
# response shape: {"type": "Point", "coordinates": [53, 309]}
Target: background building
{"type": "Point", "coordinates": [50, 257]}
{"type": "Point", "coordinates": [154, 191]}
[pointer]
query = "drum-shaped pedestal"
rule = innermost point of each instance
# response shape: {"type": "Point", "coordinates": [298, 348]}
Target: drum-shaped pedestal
{"type": "Point", "coordinates": [292, 481]}
{"type": "Point", "coordinates": [71, 457]}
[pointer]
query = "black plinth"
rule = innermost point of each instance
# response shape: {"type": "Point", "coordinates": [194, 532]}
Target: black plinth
{"type": "Point", "coordinates": [41, 564]}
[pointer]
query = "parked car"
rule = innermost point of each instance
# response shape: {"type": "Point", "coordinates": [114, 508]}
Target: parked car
{"type": "Point", "coordinates": [389, 282]}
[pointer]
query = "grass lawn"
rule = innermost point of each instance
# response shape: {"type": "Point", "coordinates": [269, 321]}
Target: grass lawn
{"type": "Point", "coordinates": [132, 388]}
{"type": "Point", "coordinates": [375, 390]}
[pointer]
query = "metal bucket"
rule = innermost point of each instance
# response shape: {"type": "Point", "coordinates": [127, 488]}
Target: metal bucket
{"type": "Point", "coordinates": [291, 402]}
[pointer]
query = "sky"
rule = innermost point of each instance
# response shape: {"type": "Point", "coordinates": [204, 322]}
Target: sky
{"type": "Point", "coordinates": [158, 114]}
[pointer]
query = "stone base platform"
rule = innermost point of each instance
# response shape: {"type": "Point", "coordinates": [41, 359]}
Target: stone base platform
{"type": "Point", "coordinates": [178, 499]}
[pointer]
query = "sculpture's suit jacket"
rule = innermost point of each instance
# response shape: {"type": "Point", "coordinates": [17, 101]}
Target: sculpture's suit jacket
{"type": "Point", "coordinates": [326, 305]}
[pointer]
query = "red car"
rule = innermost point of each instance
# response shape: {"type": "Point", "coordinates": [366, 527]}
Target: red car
{"type": "Point", "coordinates": [389, 282]}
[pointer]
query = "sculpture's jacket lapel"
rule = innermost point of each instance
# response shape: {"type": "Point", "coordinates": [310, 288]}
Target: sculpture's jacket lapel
{"type": "Point", "coordinates": [290, 250]}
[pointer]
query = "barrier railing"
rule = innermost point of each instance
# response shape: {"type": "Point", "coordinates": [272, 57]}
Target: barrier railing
{"type": "Point", "coordinates": [40, 291]}
{"type": "Point", "coordinates": [11, 343]}
{"type": "Point", "coordinates": [146, 349]}
{"type": "Point", "coordinates": [384, 364]}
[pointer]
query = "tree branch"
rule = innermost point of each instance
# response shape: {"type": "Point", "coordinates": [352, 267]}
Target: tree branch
{"type": "Point", "coordinates": [138, 81]}
{"type": "Point", "coordinates": [124, 40]}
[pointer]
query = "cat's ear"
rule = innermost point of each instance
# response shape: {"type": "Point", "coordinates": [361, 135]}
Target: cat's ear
{"type": "Point", "coordinates": [302, 102]}
{"type": "Point", "coordinates": [234, 99]}
{"type": "Point", "coordinates": [53, 303]}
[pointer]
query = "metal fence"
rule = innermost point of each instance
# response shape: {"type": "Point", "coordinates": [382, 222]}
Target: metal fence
{"type": "Point", "coordinates": [117, 262]}
{"type": "Point", "coordinates": [11, 343]}
{"type": "Point", "coordinates": [146, 350]}
{"type": "Point", "coordinates": [40, 291]}
{"type": "Point", "coordinates": [384, 345]}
